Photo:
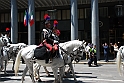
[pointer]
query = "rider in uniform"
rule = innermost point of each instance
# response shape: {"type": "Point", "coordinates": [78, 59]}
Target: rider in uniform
{"type": "Point", "coordinates": [8, 34]}
{"type": "Point", "coordinates": [48, 39]}
{"type": "Point", "coordinates": [56, 33]}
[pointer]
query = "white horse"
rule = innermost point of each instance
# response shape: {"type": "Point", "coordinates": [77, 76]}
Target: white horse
{"type": "Point", "coordinates": [27, 53]}
{"type": "Point", "coordinates": [3, 42]}
{"type": "Point", "coordinates": [120, 57]}
{"type": "Point", "coordinates": [6, 54]}
{"type": "Point", "coordinates": [16, 48]}
{"type": "Point", "coordinates": [71, 50]}
{"type": "Point", "coordinates": [76, 46]}
{"type": "Point", "coordinates": [10, 52]}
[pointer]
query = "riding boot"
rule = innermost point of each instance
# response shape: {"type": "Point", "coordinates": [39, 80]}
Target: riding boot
{"type": "Point", "coordinates": [46, 61]}
{"type": "Point", "coordinates": [48, 55]}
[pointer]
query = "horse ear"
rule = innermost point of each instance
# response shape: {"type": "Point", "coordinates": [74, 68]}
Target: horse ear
{"type": "Point", "coordinates": [5, 35]}
{"type": "Point", "coordinates": [83, 41]}
{"type": "Point", "coordinates": [1, 34]}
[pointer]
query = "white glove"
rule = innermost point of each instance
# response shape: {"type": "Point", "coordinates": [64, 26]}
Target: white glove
{"type": "Point", "coordinates": [56, 41]}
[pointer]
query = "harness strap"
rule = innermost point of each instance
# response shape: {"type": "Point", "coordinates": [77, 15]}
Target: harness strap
{"type": "Point", "coordinates": [66, 51]}
{"type": "Point", "coordinates": [2, 51]}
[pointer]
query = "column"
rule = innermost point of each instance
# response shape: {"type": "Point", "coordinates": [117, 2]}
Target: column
{"type": "Point", "coordinates": [95, 26]}
{"type": "Point", "coordinates": [14, 21]}
{"type": "Point", "coordinates": [31, 29]}
{"type": "Point", "coordinates": [74, 20]}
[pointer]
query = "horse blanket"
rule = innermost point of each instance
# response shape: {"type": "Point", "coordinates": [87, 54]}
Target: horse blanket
{"type": "Point", "coordinates": [41, 53]}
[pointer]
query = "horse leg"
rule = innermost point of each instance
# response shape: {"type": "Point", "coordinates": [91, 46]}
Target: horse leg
{"type": "Point", "coordinates": [1, 67]}
{"type": "Point", "coordinates": [47, 72]}
{"type": "Point", "coordinates": [55, 72]}
{"type": "Point", "coordinates": [24, 73]}
{"type": "Point", "coordinates": [72, 70]}
{"type": "Point", "coordinates": [30, 67]}
{"type": "Point", "coordinates": [38, 74]}
{"type": "Point", "coordinates": [61, 72]}
{"type": "Point", "coordinates": [5, 67]}
{"type": "Point", "coordinates": [13, 65]}
{"type": "Point", "coordinates": [69, 70]}
{"type": "Point", "coordinates": [64, 73]}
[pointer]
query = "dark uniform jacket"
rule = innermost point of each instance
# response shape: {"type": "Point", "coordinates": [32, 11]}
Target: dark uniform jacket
{"type": "Point", "coordinates": [47, 35]}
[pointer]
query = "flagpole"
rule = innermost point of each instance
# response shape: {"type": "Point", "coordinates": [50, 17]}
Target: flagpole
{"type": "Point", "coordinates": [31, 29]}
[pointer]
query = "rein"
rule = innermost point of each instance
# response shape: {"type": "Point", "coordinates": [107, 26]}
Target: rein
{"type": "Point", "coordinates": [68, 52]}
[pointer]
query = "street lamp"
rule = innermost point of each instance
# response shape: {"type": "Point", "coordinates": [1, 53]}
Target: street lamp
{"type": "Point", "coordinates": [119, 10]}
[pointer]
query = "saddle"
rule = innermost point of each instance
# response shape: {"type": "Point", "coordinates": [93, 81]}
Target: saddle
{"type": "Point", "coordinates": [42, 53]}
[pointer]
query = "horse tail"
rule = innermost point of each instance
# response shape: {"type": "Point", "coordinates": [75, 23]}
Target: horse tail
{"type": "Point", "coordinates": [17, 62]}
{"type": "Point", "coordinates": [118, 61]}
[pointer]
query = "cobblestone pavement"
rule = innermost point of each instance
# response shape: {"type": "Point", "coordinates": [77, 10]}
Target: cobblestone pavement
{"type": "Point", "coordinates": [104, 73]}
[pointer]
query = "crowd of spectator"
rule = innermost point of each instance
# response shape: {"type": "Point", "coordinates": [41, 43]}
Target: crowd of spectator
{"type": "Point", "coordinates": [108, 50]}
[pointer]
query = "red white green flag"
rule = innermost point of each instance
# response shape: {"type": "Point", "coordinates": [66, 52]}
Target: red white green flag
{"type": "Point", "coordinates": [32, 19]}
{"type": "Point", "coordinates": [25, 21]}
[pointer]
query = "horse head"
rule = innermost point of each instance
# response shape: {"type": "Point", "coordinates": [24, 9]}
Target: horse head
{"type": "Point", "coordinates": [74, 48]}
{"type": "Point", "coordinates": [4, 40]}
{"type": "Point", "coordinates": [79, 50]}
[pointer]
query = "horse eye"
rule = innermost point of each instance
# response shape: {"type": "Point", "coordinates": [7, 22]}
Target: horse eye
{"type": "Point", "coordinates": [5, 40]}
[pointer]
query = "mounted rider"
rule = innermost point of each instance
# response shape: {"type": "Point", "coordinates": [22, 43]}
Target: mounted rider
{"type": "Point", "coordinates": [56, 34]}
{"type": "Point", "coordinates": [48, 38]}
{"type": "Point", "coordinates": [8, 34]}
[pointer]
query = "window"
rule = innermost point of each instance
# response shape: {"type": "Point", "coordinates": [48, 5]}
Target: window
{"type": "Point", "coordinates": [42, 15]}
{"type": "Point", "coordinates": [52, 14]}
{"type": "Point", "coordinates": [2, 18]}
{"type": "Point", "coordinates": [64, 14]}
{"type": "Point", "coordinates": [22, 17]}
{"type": "Point", "coordinates": [9, 17]}
{"type": "Point", "coordinates": [68, 14]}
{"type": "Point", "coordinates": [103, 12]}
{"type": "Point", "coordinates": [37, 16]}
{"type": "Point", "coordinates": [59, 14]}
{"type": "Point", "coordinates": [6, 17]}
{"type": "Point", "coordinates": [81, 13]}
{"type": "Point", "coordinates": [87, 12]}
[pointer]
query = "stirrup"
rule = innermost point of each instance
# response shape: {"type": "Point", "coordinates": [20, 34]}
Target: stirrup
{"type": "Point", "coordinates": [50, 61]}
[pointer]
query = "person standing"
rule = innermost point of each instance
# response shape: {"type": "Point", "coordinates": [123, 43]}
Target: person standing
{"type": "Point", "coordinates": [106, 51]}
{"type": "Point", "coordinates": [92, 56]}
{"type": "Point", "coordinates": [87, 49]}
{"type": "Point", "coordinates": [115, 50]}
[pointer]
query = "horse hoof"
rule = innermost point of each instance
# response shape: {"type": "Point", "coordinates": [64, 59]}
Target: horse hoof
{"type": "Point", "coordinates": [48, 75]}
{"type": "Point", "coordinates": [5, 73]}
{"type": "Point", "coordinates": [39, 80]}
{"type": "Point", "coordinates": [76, 81]}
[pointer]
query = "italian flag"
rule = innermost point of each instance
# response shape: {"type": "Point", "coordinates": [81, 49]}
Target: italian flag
{"type": "Point", "coordinates": [31, 19]}
{"type": "Point", "coordinates": [25, 21]}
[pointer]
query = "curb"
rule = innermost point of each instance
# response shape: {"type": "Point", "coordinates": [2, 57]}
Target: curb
{"type": "Point", "coordinates": [83, 62]}
{"type": "Point", "coordinates": [98, 62]}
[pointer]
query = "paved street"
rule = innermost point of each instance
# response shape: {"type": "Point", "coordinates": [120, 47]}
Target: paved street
{"type": "Point", "coordinates": [104, 73]}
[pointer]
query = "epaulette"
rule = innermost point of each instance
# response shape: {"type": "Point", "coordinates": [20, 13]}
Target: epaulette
{"type": "Point", "coordinates": [45, 30]}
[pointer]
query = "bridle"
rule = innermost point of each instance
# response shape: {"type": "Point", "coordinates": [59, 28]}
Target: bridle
{"type": "Point", "coordinates": [78, 50]}
{"type": "Point", "coordinates": [4, 41]}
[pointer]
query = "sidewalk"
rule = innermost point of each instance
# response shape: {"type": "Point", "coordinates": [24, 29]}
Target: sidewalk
{"type": "Point", "coordinates": [86, 61]}
{"type": "Point", "coordinates": [99, 62]}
